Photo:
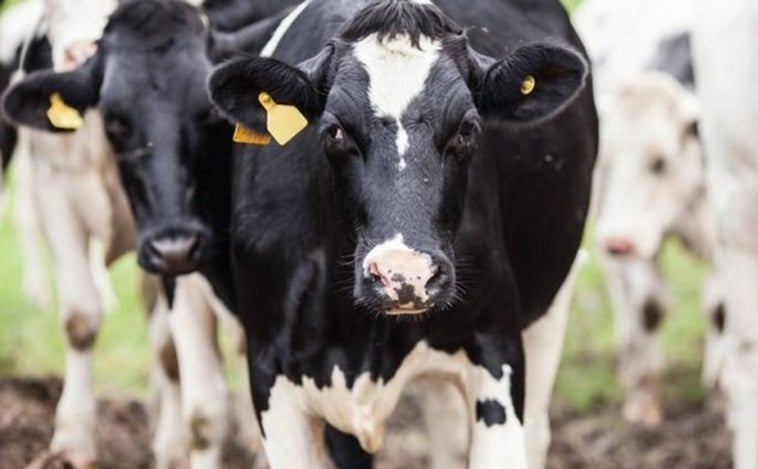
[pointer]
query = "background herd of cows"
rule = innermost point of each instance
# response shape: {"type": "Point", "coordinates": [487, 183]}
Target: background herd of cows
{"type": "Point", "coordinates": [588, 400]}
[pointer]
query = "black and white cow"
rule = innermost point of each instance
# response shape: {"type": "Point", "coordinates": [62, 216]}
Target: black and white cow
{"type": "Point", "coordinates": [427, 215]}
{"type": "Point", "coordinates": [171, 153]}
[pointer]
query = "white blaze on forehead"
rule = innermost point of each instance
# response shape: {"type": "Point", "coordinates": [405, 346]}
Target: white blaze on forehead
{"type": "Point", "coordinates": [397, 73]}
{"type": "Point", "coordinates": [284, 26]}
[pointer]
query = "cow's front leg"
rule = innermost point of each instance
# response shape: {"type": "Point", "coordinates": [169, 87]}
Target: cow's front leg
{"type": "Point", "coordinates": [640, 304]}
{"type": "Point", "coordinates": [292, 436]}
{"type": "Point", "coordinates": [495, 396]}
{"type": "Point", "coordinates": [203, 385]}
{"type": "Point", "coordinates": [79, 305]}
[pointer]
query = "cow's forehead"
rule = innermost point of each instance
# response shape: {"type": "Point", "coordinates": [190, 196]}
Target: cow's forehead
{"type": "Point", "coordinates": [398, 72]}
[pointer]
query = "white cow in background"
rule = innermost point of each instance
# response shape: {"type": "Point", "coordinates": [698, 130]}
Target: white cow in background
{"type": "Point", "coordinates": [725, 43]}
{"type": "Point", "coordinates": [650, 181]}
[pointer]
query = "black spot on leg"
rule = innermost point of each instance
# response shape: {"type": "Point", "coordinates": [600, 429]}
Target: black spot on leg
{"type": "Point", "coordinates": [719, 318]}
{"type": "Point", "coordinates": [652, 315]}
{"type": "Point", "coordinates": [490, 412]}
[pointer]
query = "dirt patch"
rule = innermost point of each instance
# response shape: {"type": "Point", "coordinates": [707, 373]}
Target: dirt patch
{"type": "Point", "coordinates": [690, 438]}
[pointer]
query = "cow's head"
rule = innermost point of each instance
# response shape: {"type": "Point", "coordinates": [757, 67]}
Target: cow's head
{"type": "Point", "coordinates": [147, 79]}
{"type": "Point", "coordinates": [651, 172]}
{"type": "Point", "coordinates": [400, 100]}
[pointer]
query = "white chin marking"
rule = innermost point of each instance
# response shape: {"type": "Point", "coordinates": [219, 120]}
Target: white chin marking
{"type": "Point", "coordinates": [397, 72]}
{"type": "Point", "coordinates": [405, 312]}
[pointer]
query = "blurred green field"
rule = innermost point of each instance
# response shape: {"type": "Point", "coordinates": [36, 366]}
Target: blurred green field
{"type": "Point", "coordinates": [31, 340]}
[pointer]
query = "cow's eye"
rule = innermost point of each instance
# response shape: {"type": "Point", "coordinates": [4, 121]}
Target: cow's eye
{"type": "Point", "coordinates": [464, 140]}
{"type": "Point", "coordinates": [335, 134]}
{"type": "Point", "coordinates": [337, 141]}
{"type": "Point", "coordinates": [118, 129]}
{"type": "Point", "coordinates": [658, 166]}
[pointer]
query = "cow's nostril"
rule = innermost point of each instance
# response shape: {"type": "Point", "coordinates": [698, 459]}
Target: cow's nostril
{"type": "Point", "coordinates": [439, 278]}
{"type": "Point", "coordinates": [377, 276]}
{"type": "Point", "coordinates": [617, 246]}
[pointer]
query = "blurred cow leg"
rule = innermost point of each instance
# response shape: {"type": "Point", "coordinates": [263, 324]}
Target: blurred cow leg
{"type": "Point", "coordinates": [740, 378]}
{"type": "Point", "coordinates": [543, 345]}
{"type": "Point", "coordinates": [204, 393]}
{"type": "Point", "coordinates": [715, 341]}
{"type": "Point", "coordinates": [638, 297]}
{"type": "Point", "coordinates": [444, 413]}
{"type": "Point", "coordinates": [80, 311]}
{"type": "Point", "coordinates": [171, 440]}
{"type": "Point", "coordinates": [34, 275]}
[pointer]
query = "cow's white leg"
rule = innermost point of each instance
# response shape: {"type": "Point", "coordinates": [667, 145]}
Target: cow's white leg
{"type": "Point", "coordinates": [170, 443]}
{"type": "Point", "coordinates": [444, 415]}
{"type": "Point", "coordinates": [497, 435]}
{"type": "Point", "coordinates": [715, 343]}
{"type": "Point", "coordinates": [80, 313]}
{"type": "Point", "coordinates": [97, 257]}
{"type": "Point", "coordinates": [291, 436]}
{"type": "Point", "coordinates": [740, 378]}
{"type": "Point", "coordinates": [639, 303]}
{"type": "Point", "coordinates": [34, 274]}
{"type": "Point", "coordinates": [543, 345]}
{"type": "Point", "coordinates": [203, 387]}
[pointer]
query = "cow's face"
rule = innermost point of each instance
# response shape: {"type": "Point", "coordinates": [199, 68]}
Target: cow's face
{"type": "Point", "coordinates": [399, 115]}
{"type": "Point", "coordinates": [651, 171]}
{"type": "Point", "coordinates": [148, 81]}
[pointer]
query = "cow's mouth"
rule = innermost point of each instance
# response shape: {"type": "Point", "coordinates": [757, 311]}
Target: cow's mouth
{"type": "Point", "coordinates": [406, 310]}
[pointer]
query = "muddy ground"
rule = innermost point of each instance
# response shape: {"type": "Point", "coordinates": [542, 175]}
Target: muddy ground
{"type": "Point", "coordinates": [691, 438]}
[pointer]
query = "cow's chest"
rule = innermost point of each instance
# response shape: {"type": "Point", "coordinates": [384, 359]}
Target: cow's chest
{"type": "Point", "coordinates": [363, 408]}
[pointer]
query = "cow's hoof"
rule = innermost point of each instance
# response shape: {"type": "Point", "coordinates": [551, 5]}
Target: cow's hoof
{"type": "Point", "coordinates": [62, 460]}
{"type": "Point", "coordinates": [645, 411]}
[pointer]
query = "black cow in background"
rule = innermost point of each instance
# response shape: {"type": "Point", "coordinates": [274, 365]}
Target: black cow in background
{"type": "Point", "coordinates": [232, 15]}
{"type": "Point", "coordinates": [427, 215]}
{"type": "Point", "coordinates": [172, 152]}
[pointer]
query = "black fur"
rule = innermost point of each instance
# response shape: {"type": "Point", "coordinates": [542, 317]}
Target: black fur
{"type": "Point", "coordinates": [389, 19]}
{"type": "Point", "coordinates": [490, 412]}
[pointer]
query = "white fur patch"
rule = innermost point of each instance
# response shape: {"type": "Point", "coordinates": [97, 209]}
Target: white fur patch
{"type": "Point", "coordinates": [281, 30]}
{"type": "Point", "coordinates": [364, 409]}
{"type": "Point", "coordinates": [397, 74]}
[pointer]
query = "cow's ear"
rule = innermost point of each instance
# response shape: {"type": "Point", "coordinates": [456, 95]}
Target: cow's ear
{"type": "Point", "coordinates": [236, 87]}
{"type": "Point", "coordinates": [532, 84]}
{"type": "Point", "coordinates": [27, 102]}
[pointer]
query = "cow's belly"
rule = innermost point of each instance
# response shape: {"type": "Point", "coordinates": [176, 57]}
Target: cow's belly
{"type": "Point", "coordinates": [364, 408]}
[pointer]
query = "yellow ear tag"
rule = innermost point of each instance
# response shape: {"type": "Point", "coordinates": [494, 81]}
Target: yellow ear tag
{"type": "Point", "coordinates": [528, 85]}
{"type": "Point", "coordinates": [284, 122]}
{"type": "Point", "coordinates": [63, 116]}
{"type": "Point", "coordinates": [244, 135]}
